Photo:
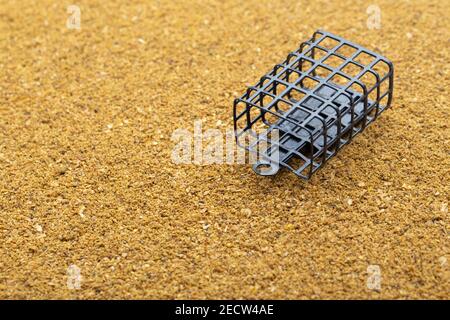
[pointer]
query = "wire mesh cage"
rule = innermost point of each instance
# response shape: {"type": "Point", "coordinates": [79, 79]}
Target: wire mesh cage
{"type": "Point", "coordinates": [315, 102]}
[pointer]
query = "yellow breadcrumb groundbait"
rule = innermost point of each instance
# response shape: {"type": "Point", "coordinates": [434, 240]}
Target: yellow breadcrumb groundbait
{"type": "Point", "coordinates": [92, 205]}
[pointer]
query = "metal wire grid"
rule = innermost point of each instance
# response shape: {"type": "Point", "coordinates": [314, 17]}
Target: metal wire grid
{"type": "Point", "coordinates": [319, 98]}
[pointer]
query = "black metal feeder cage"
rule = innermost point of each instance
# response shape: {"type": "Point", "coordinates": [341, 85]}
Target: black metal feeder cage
{"type": "Point", "coordinates": [316, 101]}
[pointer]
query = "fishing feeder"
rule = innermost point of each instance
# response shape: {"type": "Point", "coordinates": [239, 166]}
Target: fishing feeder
{"type": "Point", "coordinates": [308, 107]}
